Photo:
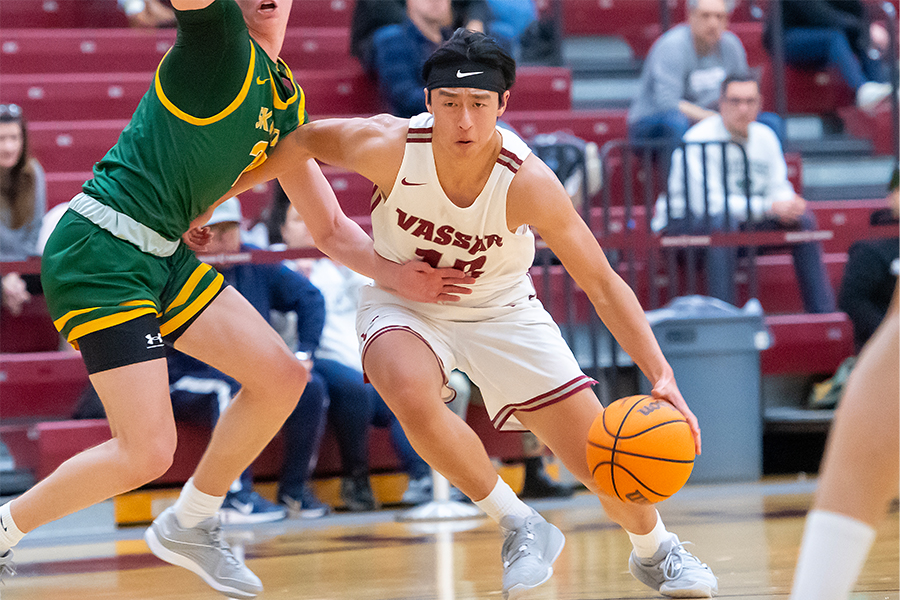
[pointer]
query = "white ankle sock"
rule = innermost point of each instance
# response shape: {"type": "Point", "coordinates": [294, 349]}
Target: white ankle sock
{"type": "Point", "coordinates": [645, 546]}
{"type": "Point", "coordinates": [194, 506]}
{"type": "Point", "coordinates": [833, 553]}
{"type": "Point", "coordinates": [9, 533]}
{"type": "Point", "coordinates": [502, 501]}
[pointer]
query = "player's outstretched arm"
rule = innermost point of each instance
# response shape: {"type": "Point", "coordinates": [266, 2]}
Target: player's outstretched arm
{"type": "Point", "coordinates": [537, 198]}
{"type": "Point", "coordinates": [370, 147]}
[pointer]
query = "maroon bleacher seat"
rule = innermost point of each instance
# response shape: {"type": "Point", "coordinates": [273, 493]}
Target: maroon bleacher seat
{"type": "Point", "coordinates": [43, 385]}
{"type": "Point", "coordinates": [343, 91]}
{"type": "Point", "coordinates": [62, 186]}
{"type": "Point", "coordinates": [321, 13]}
{"type": "Point", "coordinates": [31, 330]}
{"type": "Point", "coordinates": [72, 145]}
{"type": "Point", "coordinates": [541, 88]}
{"type": "Point", "coordinates": [595, 125]}
{"type": "Point", "coordinates": [62, 14]}
{"type": "Point", "coordinates": [105, 13]}
{"type": "Point", "coordinates": [807, 344]}
{"type": "Point", "coordinates": [779, 291]}
{"type": "Point", "coordinates": [76, 96]}
{"type": "Point", "coordinates": [874, 125]}
{"type": "Point", "coordinates": [849, 220]}
{"type": "Point", "coordinates": [28, 51]}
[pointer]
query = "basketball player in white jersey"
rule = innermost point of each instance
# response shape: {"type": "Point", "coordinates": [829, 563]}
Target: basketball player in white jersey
{"type": "Point", "coordinates": [453, 190]}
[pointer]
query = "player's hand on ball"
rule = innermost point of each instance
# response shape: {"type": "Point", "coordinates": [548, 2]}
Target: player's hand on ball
{"type": "Point", "coordinates": [666, 389]}
{"type": "Point", "coordinates": [197, 238]}
{"type": "Point", "coordinates": [421, 282]}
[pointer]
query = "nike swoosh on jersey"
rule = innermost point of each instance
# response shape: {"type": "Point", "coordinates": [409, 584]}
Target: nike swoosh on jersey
{"type": "Point", "coordinates": [261, 81]}
{"type": "Point", "coordinates": [405, 182]}
{"type": "Point", "coordinates": [460, 74]}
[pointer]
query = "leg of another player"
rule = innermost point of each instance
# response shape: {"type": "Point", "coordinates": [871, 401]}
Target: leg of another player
{"type": "Point", "coordinates": [136, 399]}
{"type": "Point", "coordinates": [233, 337]}
{"type": "Point", "coordinates": [408, 377]}
{"type": "Point", "coordinates": [859, 473]}
{"type": "Point", "coordinates": [230, 335]}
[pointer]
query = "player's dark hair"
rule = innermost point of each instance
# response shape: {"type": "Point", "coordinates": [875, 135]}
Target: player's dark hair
{"type": "Point", "coordinates": [475, 47]}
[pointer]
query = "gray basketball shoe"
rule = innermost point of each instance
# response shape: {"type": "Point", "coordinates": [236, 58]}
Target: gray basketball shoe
{"type": "Point", "coordinates": [201, 549]}
{"type": "Point", "coordinates": [531, 546]}
{"type": "Point", "coordinates": [7, 566]}
{"type": "Point", "coordinates": [675, 572]}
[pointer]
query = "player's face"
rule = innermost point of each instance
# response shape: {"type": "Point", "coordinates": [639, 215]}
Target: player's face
{"type": "Point", "coordinates": [11, 143]}
{"type": "Point", "coordinates": [739, 106]}
{"type": "Point", "coordinates": [266, 16]}
{"type": "Point", "coordinates": [708, 21]}
{"type": "Point", "coordinates": [465, 118]}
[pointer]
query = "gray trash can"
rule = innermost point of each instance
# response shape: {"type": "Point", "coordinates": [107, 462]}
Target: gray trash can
{"type": "Point", "coordinates": [713, 348]}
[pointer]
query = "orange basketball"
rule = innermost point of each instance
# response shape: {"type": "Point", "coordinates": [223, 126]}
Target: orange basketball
{"type": "Point", "coordinates": [640, 450]}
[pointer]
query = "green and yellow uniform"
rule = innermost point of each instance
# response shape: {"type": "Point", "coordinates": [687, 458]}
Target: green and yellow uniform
{"type": "Point", "coordinates": [217, 104]}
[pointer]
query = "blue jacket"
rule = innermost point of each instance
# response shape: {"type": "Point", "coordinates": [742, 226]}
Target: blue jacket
{"type": "Point", "coordinates": [399, 52]}
{"type": "Point", "coordinates": [268, 287]}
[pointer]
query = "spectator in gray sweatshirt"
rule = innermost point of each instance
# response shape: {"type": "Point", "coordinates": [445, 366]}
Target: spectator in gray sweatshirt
{"type": "Point", "coordinates": [683, 73]}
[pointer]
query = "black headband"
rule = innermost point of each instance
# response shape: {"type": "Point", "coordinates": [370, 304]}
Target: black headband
{"type": "Point", "coordinates": [467, 74]}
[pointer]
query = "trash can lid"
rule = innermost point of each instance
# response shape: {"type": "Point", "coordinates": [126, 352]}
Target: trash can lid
{"type": "Point", "coordinates": [703, 308]}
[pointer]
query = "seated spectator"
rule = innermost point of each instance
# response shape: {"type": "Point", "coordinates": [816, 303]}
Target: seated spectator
{"type": "Point", "coordinates": [399, 50]}
{"type": "Point", "coordinates": [773, 202]}
{"type": "Point", "coordinates": [870, 274]}
{"type": "Point", "coordinates": [371, 15]}
{"type": "Point", "coordinates": [147, 13]}
{"type": "Point", "coordinates": [681, 77]}
{"type": "Point", "coordinates": [822, 33]}
{"type": "Point", "coordinates": [355, 405]}
{"type": "Point", "coordinates": [23, 202]}
{"type": "Point", "coordinates": [199, 391]}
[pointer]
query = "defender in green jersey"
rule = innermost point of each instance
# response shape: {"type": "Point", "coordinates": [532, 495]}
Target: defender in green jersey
{"type": "Point", "coordinates": [121, 284]}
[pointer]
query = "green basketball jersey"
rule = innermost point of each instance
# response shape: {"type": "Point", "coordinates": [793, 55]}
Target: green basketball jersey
{"type": "Point", "coordinates": [216, 105]}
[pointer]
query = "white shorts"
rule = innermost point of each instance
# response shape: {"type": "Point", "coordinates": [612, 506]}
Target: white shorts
{"type": "Point", "coordinates": [515, 354]}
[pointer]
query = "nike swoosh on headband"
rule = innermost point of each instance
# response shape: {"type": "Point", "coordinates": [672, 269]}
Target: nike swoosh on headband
{"type": "Point", "coordinates": [460, 74]}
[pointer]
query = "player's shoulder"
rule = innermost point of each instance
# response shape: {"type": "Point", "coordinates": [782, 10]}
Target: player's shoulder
{"type": "Point", "coordinates": [384, 128]}
{"type": "Point", "coordinates": [532, 176]}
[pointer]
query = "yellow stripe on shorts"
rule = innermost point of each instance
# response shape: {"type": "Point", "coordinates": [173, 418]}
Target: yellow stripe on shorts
{"type": "Point", "coordinates": [107, 321]}
{"type": "Point", "coordinates": [189, 287]}
{"type": "Point", "coordinates": [194, 307]}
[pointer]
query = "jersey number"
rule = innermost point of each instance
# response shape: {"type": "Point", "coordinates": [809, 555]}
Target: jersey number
{"type": "Point", "coordinates": [469, 267]}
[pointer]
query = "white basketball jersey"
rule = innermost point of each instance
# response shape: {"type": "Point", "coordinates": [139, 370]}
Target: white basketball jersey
{"type": "Point", "coordinates": [419, 222]}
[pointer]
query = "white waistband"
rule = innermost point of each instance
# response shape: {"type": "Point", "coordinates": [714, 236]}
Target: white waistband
{"type": "Point", "coordinates": [123, 227]}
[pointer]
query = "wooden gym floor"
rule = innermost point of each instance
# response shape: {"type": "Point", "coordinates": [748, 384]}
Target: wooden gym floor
{"type": "Point", "coordinates": [748, 533]}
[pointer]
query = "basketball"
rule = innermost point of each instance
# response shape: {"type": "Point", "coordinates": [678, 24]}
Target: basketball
{"type": "Point", "coordinates": [640, 450]}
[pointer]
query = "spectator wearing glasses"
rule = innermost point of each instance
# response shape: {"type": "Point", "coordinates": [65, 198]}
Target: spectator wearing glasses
{"type": "Point", "coordinates": [680, 80]}
{"type": "Point", "coordinates": [23, 202]}
{"type": "Point", "coordinates": [774, 205]}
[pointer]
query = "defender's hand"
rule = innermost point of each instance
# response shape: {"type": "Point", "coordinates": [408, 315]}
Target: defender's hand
{"type": "Point", "coordinates": [197, 238]}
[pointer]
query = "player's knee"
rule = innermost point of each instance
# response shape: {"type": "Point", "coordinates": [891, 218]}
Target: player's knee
{"type": "Point", "coordinates": [282, 379]}
{"type": "Point", "coordinates": [151, 459]}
